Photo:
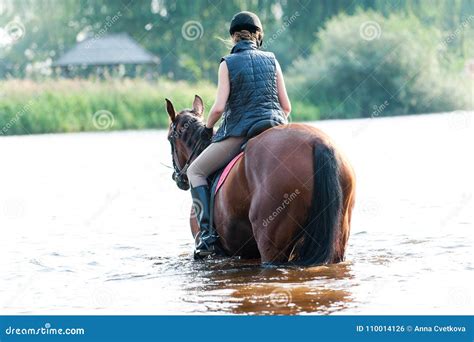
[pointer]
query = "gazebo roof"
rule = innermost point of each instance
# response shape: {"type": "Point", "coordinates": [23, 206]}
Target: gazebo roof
{"type": "Point", "coordinates": [111, 49]}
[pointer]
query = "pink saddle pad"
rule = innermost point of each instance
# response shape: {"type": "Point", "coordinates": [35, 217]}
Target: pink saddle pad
{"type": "Point", "coordinates": [226, 171]}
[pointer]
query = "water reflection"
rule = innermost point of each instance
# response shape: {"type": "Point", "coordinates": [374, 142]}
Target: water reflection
{"type": "Point", "coordinates": [247, 288]}
{"type": "Point", "coordinates": [287, 301]}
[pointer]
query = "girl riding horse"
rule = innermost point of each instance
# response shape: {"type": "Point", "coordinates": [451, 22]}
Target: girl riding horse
{"type": "Point", "coordinates": [289, 198]}
{"type": "Point", "coordinates": [250, 89]}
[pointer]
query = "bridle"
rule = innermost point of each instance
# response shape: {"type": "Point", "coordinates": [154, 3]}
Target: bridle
{"type": "Point", "coordinates": [179, 173]}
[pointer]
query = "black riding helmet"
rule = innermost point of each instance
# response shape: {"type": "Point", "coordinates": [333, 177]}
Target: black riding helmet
{"type": "Point", "coordinates": [246, 21]}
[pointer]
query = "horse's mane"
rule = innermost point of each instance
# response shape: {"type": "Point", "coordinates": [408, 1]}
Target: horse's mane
{"type": "Point", "coordinates": [189, 127]}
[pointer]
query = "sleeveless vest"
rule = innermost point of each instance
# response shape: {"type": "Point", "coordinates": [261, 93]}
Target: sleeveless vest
{"type": "Point", "coordinates": [253, 91]}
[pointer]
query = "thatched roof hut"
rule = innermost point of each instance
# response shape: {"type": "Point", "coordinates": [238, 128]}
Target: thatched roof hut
{"type": "Point", "coordinates": [109, 51]}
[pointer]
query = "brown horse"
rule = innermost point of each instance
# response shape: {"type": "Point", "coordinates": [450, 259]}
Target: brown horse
{"type": "Point", "coordinates": [288, 199]}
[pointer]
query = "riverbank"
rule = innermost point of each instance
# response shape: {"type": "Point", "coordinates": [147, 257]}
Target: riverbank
{"type": "Point", "coordinates": [62, 106]}
{"type": "Point", "coordinates": [59, 106]}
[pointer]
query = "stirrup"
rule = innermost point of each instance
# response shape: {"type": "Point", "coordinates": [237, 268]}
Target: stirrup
{"type": "Point", "coordinates": [204, 253]}
{"type": "Point", "coordinates": [215, 251]}
{"type": "Point", "coordinates": [208, 250]}
{"type": "Point", "coordinates": [205, 249]}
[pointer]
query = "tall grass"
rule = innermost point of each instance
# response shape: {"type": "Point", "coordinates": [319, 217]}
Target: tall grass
{"type": "Point", "coordinates": [70, 105]}
{"type": "Point", "coordinates": [54, 106]}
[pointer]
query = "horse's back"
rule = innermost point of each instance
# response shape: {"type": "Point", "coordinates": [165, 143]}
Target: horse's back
{"type": "Point", "coordinates": [266, 202]}
{"type": "Point", "coordinates": [277, 139]}
{"type": "Point", "coordinates": [279, 165]}
{"type": "Point", "coordinates": [283, 149]}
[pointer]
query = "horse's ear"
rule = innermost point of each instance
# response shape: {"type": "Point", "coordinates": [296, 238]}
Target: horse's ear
{"type": "Point", "coordinates": [198, 105]}
{"type": "Point", "coordinates": [170, 110]}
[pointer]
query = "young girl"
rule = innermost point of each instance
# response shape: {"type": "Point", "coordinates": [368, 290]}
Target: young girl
{"type": "Point", "coordinates": [250, 89]}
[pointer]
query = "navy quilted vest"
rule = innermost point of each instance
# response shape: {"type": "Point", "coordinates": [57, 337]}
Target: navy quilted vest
{"type": "Point", "coordinates": [253, 91]}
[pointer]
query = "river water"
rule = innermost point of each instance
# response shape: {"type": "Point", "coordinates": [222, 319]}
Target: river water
{"type": "Point", "coordinates": [91, 223]}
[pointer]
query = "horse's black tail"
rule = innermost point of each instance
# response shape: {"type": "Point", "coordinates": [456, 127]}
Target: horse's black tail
{"type": "Point", "coordinates": [320, 232]}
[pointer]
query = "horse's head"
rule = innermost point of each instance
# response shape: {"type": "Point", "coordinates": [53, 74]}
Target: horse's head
{"type": "Point", "coordinates": [184, 136]}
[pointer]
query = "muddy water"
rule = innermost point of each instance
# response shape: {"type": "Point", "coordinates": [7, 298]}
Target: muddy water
{"type": "Point", "coordinates": [92, 224]}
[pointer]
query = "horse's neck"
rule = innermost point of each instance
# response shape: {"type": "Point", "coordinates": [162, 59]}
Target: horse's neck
{"type": "Point", "coordinates": [196, 141]}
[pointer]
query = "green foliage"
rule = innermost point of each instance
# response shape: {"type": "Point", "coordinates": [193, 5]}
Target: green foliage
{"type": "Point", "coordinates": [370, 65]}
{"type": "Point", "coordinates": [336, 74]}
{"type": "Point", "coordinates": [69, 105]}
{"type": "Point", "coordinates": [52, 27]}
{"type": "Point", "coordinates": [58, 106]}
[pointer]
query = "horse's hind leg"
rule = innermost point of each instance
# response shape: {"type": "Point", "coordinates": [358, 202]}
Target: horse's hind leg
{"type": "Point", "coordinates": [238, 239]}
{"type": "Point", "coordinates": [273, 249]}
{"type": "Point", "coordinates": [276, 223]}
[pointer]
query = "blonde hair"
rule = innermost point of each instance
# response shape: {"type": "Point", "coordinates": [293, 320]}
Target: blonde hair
{"type": "Point", "coordinates": [246, 35]}
{"type": "Point", "coordinates": [242, 35]}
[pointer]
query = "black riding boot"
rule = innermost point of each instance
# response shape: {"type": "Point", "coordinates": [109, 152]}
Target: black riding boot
{"type": "Point", "coordinates": [207, 237]}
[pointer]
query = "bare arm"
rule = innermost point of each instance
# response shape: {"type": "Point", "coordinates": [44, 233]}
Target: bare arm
{"type": "Point", "coordinates": [223, 90]}
{"type": "Point", "coordinates": [281, 88]}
